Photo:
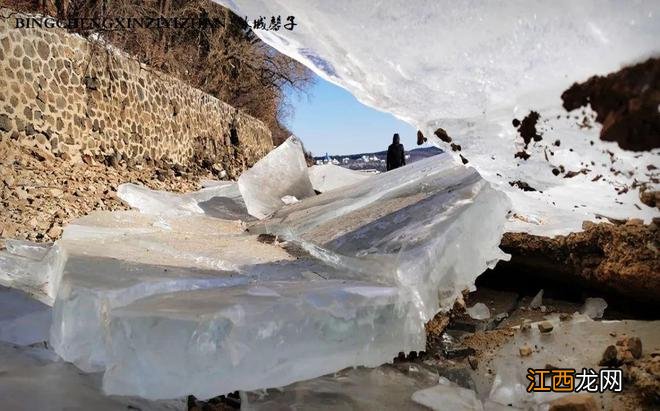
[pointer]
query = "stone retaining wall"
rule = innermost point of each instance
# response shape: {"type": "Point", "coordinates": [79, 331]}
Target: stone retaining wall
{"type": "Point", "coordinates": [72, 97]}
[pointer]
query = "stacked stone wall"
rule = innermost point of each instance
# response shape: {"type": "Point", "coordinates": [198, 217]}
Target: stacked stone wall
{"type": "Point", "coordinates": [71, 97]}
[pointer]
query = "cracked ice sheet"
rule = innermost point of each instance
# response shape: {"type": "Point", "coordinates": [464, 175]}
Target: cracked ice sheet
{"type": "Point", "coordinates": [471, 70]}
{"type": "Point", "coordinates": [34, 379]}
{"type": "Point", "coordinates": [254, 336]}
{"type": "Point", "coordinates": [431, 228]}
{"type": "Point", "coordinates": [328, 177]}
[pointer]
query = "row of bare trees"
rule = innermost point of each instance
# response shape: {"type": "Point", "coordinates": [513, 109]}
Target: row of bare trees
{"type": "Point", "coordinates": [225, 59]}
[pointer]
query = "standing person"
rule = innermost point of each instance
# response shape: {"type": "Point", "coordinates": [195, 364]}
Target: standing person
{"type": "Point", "coordinates": [396, 156]}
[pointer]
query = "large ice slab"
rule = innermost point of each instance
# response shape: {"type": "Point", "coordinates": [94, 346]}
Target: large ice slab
{"type": "Point", "coordinates": [430, 227]}
{"type": "Point", "coordinates": [471, 70]}
{"type": "Point", "coordinates": [119, 257]}
{"type": "Point", "coordinates": [283, 172]}
{"type": "Point", "coordinates": [212, 341]}
{"type": "Point", "coordinates": [328, 177]}
{"type": "Point", "coordinates": [34, 379]}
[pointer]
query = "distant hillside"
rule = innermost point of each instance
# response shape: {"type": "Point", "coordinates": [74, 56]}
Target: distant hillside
{"type": "Point", "coordinates": [375, 160]}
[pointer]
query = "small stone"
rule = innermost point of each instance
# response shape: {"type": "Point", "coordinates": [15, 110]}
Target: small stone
{"type": "Point", "coordinates": [564, 317]}
{"type": "Point", "coordinates": [610, 357]}
{"type": "Point", "coordinates": [474, 363]}
{"type": "Point", "coordinates": [545, 326]}
{"type": "Point", "coordinates": [635, 222]}
{"type": "Point", "coordinates": [525, 326]}
{"type": "Point", "coordinates": [574, 402]}
{"type": "Point", "coordinates": [634, 346]}
{"type": "Point", "coordinates": [54, 232]}
{"type": "Point", "coordinates": [525, 350]}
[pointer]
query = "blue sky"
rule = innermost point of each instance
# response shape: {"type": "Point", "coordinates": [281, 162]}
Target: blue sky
{"type": "Point", "coordinates": [332, 120]}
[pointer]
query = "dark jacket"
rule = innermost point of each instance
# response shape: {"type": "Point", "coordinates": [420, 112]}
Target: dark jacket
{"type": "Point", "coordinates": [396, 156]}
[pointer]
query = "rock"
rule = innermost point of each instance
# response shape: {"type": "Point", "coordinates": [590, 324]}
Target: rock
{"type": "Point", "coordinates": [55, 232]}
{"type": "Point", "coordinates": [5, 123]}
{"type": "Point", "coordinates": [545, 326]}
{"type": "Point", "coordinates": [610, 357]}
{"type": "Point", "coordinates": [474, 363]}
{"type": "Point", "coordinates": [635, 221]}
{"type": "Point", "coordinates": [631, 344]}
{"type": "Point", "coordinates": [574, 402]}
{"type": "Point", "coordinates": [525, 350]}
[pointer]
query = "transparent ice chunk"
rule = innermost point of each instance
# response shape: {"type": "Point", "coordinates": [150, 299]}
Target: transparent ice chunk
{"type": "Point", "coordinates": [479, 311]}
{"type": "Point", "coordinates": [594, 308]}
{"type": "Point", "coordinates": [448, 396]}
{"type": "Point", "coordinates": [247, 337]}
{"type": "Point", "coordinates": [281, 172]}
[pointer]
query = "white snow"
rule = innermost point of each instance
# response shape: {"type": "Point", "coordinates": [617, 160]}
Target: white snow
{"type": "Point", "coordinates": [471, 68]}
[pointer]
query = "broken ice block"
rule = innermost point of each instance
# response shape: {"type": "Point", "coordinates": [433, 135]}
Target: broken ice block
{"type": "Point", "coordinates": [537, 301]}
{"type": "Point", "coordinates": [23, 320]}
{"type": "Point", "coordinates": [282, 172]}
{"type": "Point", "coordinates": [33, 379]}
{"type": "Point", "coordinates": [117, 258]}
{"type": "Point", "coordinates": [431, 227]}
{"type": "Point", "coordinates": [166, 203]}
{"type": "Point", "coordinates": [328, 177]}
{"type": "Point", "coordinates": [212, 341]}
{"type": "Point", "coordinates": [479, 311]}
{"type": "Point", "coordinates": [34, 270]}
{"type": "Point", "coordinates": [92, 286]}
{"type": "Point", "coordinates": [594, 308]}
{"type": "Point", "coordinates": [386, 388]}
{"type": "Point", "coordinates": [448, 396]}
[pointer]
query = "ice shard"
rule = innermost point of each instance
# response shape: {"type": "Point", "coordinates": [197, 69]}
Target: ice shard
{"type": "Point", "coordinates": [165, 203]}
{"type": "Point", "coordinates": [34, 269]}
{"type": "Point", "coordinates": [475, 67]}
{"type": "Point", "coordinates": [328, 177]}
{"type": "Point", "coordinates": [282, 172]}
